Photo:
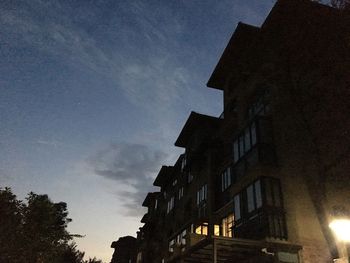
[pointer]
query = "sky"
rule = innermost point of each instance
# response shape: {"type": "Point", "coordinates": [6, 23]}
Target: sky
{"type": "Point", "coordinates": [94, 93]}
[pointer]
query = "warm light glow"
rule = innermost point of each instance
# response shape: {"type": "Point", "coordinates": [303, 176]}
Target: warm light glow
{"type": "Point", "coordinates": [341, 228]}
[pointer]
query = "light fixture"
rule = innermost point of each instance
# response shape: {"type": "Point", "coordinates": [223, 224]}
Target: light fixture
{"type": "Point", "coordinates": [341, 229]}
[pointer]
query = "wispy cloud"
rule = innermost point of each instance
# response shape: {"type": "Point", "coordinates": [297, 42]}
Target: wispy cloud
{"type": "Point", "coordinates": [49, 143]}
{"type": "Point", "coordinates": [133, 166]}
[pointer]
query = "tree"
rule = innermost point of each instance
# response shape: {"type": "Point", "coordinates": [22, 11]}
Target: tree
{"type": "Point", "coordinates": [36, 231]}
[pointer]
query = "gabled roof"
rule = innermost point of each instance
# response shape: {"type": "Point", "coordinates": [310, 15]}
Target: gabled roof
{"type": "Point", "coordinates": [237, 47]}
{"type": "Point", "coordinates": [149, 198]}
{"type": "Point", "coordinates": [194, 122]}
{"type": "Point", "coordinates": [163, 175]}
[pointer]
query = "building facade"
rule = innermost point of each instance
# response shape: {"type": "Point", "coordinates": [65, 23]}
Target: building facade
{"type": "Point", "coordinates": [262, 182]}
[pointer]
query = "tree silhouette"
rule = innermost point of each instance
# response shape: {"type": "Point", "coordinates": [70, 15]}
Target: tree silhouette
{"type": "Point", "coordinates": [35, 231]}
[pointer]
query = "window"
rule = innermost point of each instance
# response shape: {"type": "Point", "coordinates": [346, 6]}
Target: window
{"type": "Point", "coordinates": [273, 193]}
{"type": "Point", "coordinates": [250, 198]}
{"type": "Point", "coordinates": [202, 194]}
{"type": "Point", "coordinates": [183, 163]}
{"type": "Point", "coordinates": [226, 179]}
{"type": "Point", "coordinates": [260, 107]}
{"type": "Point", "coordinates": [235, 151]}
{"type": "Point", "coordinates": [216, 230]}
{"type": "Point", "coordinates": [244, 142]}
{"type": "Point", "coordinates": [156, 204]}
{"type": "Point", "coordinates": [171, 204]}
{"type": "Point", "coordinates": [227, 224]}
{"type": "Point", "coordinates": [202, 229]}
{"type": "Point", "coordinates": [181, 193]}
{"type": "Point", "coordinates": [171, 245]}
{"type": "Point", "coordinates": [181, 238]}
{"type": "Point", "coordinates": [237, 207]}
{"type": "Point", "coordinates": [189, 177]}
{"type": "Point", "coordinates": [254, 199]}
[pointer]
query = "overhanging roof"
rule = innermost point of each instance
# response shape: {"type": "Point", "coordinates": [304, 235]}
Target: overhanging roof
{"type": "Point", "coordinates": [149, 198]}
{"type": "Point", "coordinates": [163, 175]}
{"type": "Point", "coordinates": [238, 45]}
{"type": "Point", "coordinates": [196, 121]}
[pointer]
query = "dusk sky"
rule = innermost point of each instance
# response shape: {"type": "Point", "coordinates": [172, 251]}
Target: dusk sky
{"type": "Point", "coordinates": [93, 95]}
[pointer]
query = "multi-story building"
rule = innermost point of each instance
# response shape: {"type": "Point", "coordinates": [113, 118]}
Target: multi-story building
{"type": "Point", "coordinates": [262, 182]}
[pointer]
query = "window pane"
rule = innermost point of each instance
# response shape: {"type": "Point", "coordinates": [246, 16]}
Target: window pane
{"type": "Point", "coordinates": [235, 151]}
{"type": "Point", "coordinates": [216, 230]}
{"type": "Point", "coordinates": [223, 181]}
{"type": "Point", "coordinates": [276, 193]}
{"type": "Point", "coordinates": [250, 199]}
{"type": "Point", "coordinates": [241, 146]}
{"type": "Point", "coordinates": [237, 207]}
{"type": "Point", "coordinates": [268, 192]}
{"type": "Point", "coordinates": [258, 194]}
{"type": "Point", "coordinates": [205, 230]}
{"type": "Point", "coordinates": [253, 133]}
{"type": "Point", "coordinates": [228, 176]}
{"type": "Point", "coordinates": [247, 140]}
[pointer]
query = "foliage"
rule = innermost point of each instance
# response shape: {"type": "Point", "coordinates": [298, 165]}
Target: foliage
{"type": "Point", "coordinates": [35, 231]}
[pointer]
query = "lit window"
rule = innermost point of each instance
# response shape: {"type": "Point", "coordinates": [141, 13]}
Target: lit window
{"type": "Point", "coordinates": [216, 230]}
{"type": "Point", "coordinates": [226, 179]}
{"type": "Point", "coordinates": [227, 224]}
{"type": "Point", "coordinates": [202, 229]}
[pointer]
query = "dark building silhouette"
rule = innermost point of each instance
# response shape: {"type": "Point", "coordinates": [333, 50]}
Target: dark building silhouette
{"type": "Point", "coordinates": [124, 250]}
{"type": "Point", "coordinates": [262, 182]}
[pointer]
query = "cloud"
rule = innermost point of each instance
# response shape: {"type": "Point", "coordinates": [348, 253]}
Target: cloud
{"type": "Point", "coordinates": [134, 167]}
{"type": "Point", "coordinates": [49, 143]}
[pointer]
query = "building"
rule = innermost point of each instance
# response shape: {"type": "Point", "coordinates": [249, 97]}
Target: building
{"type": "Point", "coordinates": [262, 182]}
{"type": "Point", "coordinates": [124, 250]}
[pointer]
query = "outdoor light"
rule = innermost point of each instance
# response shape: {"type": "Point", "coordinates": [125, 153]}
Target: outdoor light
{"type": "Point", "coordinates": [341, 228]}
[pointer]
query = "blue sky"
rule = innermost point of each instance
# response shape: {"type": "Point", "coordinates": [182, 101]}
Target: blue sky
{"type": "Point", "coordinates": [94, 94]}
